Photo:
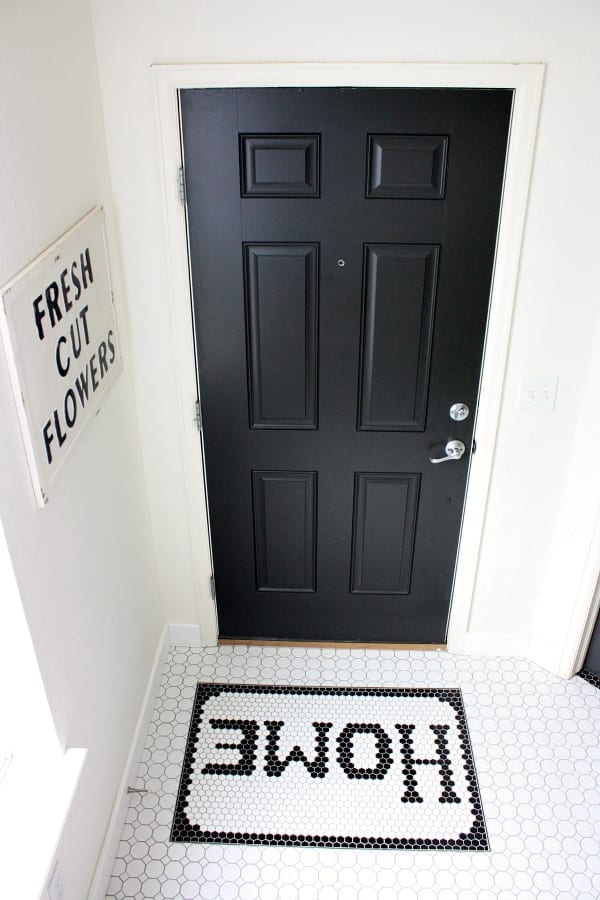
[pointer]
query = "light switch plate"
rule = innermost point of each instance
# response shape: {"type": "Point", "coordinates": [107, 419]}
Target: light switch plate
{"type": "Point", "coordinates": [538, 392]}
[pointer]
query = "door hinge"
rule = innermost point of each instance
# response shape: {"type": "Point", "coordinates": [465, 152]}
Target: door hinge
{"type": "Point", "coordinates": [181, 186]}
{"type": "Point", "coordinates": [213, 589]}
{"type": "Point", "coordinates": [198, 416]}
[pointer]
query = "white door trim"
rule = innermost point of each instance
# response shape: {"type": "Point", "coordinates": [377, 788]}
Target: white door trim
{"type": "Point", "coordinates": [526, 81]}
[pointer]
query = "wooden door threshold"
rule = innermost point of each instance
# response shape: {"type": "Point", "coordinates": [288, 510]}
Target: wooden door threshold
{"type": "Point", "coordinates": [335, 645]}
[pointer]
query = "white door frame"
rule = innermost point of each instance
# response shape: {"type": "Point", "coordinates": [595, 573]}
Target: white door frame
{"type": "Point", "coordinates": [526, 81]}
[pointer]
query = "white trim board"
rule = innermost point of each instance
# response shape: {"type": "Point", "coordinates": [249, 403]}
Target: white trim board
{"type": "Point", "coordinates": [185, 636]}
{"type": "Point", "coordinates": [585, 611]}
{"type": "Point", "coordinates": [106, 859]}
{"type": "Point", "coordinates": [526, 81]}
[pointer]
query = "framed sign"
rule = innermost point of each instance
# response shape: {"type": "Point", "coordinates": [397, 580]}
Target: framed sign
{"type": "Point", "coordinates": [60, 336]}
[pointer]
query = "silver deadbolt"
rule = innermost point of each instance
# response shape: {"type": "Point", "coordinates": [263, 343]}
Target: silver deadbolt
{"type": "Point", "coordinates": [454, 450]}
{"type": "Point", "coordinates": [459, 412]}
{"type": "Point", "coordinates": [341, 263]}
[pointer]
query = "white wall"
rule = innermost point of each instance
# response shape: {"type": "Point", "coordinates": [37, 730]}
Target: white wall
{"type": "Point", "coordinates": [545, 486]}
{"type": "Point", "coordinates": [85, 563]}
{"type": "Point", "coordinates": [31, 759]}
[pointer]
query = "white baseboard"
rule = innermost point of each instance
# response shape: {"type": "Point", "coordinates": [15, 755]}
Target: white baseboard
{"type": "Point", "coordinates": [547, 656]}
{"type": "Point", "coordinates": [527, 645]}
{"type": "Point", "coordinates": [185, 635]}
{"type": "Point", "coordinates": [491, 644]}
{"type": "Point", "coordinates": [106, 859]}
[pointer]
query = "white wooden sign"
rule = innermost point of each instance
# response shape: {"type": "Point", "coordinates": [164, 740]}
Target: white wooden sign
{"type": "Point", "coordinates": [60, 336]}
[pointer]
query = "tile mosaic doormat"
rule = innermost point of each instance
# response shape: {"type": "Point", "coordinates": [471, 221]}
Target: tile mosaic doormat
{"type": "Point", "coordinates": [329, 766]}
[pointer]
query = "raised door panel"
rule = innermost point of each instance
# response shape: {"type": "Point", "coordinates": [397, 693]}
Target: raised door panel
{"type": "Point", "coordinates": [385, 516]}
{"type": "Point", "coordinates": [279, 165]}
{"type": "Point", "coordinates": [285, 524]}
{"type": "Point", "coordinates": [407, 166]}
{"type": "Point", "coordinates": [397, 329]}
{"type": "Point", "coordinates": [282, 334]}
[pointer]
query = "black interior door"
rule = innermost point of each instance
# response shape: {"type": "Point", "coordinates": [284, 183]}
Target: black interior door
{"type": "Point", "coordinates": [341, 244]}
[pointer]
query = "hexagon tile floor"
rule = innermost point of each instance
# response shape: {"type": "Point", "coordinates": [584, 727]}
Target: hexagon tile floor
{"type": "Point", "coordinates": [536, 749]}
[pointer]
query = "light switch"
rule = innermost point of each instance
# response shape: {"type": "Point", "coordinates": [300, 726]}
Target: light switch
{"type": "Point", "coordinates": [538, 392]}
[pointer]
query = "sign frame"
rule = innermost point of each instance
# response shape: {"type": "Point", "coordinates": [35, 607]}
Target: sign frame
{"type": "Point", "coordinates": [62, 346]}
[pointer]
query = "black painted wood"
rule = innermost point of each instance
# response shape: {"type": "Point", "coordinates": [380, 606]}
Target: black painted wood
{"type": "Point", "coordinates": [397, 331]}
{"type": "Point", "coordinates": [280, 165]}
{"type": "Point", "coordinates": [340, 310]}
{"type": "Point", "coordinates": [285, 530]}
{"type": "Point", "coordinates": [282, 338]}
{"type": "Point", "coordinates": [410, 166]}
{"type": "Point", "coordinates": [385, 517]}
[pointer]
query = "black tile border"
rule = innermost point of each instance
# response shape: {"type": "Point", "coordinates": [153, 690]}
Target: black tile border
{"type": "Point", "coordinates": [590, 677]}
{"type": "Point", "coordinates": [182, 831]}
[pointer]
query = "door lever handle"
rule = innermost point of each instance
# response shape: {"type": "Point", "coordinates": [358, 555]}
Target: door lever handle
{"type": "Point", "coordinates": [454, 450]}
